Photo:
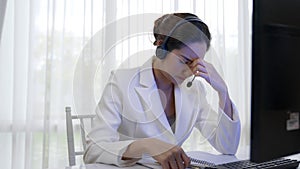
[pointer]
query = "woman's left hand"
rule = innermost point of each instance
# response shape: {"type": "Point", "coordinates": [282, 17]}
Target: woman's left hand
{"type": "Point", "coordinates": [207, 71]}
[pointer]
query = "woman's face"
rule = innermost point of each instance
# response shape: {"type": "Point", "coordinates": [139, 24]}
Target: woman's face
{"type": "Point", "coordinates": [177, 62]}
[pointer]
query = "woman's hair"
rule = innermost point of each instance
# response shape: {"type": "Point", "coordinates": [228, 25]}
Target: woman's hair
{"type": "Point", "coordinates": [189, 32]}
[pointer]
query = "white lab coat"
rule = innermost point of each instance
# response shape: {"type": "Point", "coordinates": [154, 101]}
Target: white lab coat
{"type": "Point", "coordinates": [130, 109]}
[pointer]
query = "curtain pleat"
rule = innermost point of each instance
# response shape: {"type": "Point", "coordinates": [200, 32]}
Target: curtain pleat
{"type": "Point", "coordinates": [20, 76]}
{"type": "Point", "coordinates": [48, 81]}
{"type": "Point", "coordinates": [30, 89]}
{"type": "Point", "coordinates": [244, 47]}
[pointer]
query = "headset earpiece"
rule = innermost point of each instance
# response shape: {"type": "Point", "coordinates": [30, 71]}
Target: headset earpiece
{"type": "Point", "coordinates": [161, 52]}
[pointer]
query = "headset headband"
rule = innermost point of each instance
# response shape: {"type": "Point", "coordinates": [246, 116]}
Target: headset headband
{"type": "Point", "coordinates": [161, 50]}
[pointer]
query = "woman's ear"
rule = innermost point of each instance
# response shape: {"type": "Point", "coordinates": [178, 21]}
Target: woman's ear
{"type": "Point", "coordinates": [158, 42]}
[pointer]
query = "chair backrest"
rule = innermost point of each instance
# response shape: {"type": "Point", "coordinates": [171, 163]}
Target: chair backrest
{"type": "Point", "coordinates": [70, 133]}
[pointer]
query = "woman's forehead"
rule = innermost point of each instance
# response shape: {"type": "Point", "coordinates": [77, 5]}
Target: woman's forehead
{"type": "Point", "coordinates": [194, 50]}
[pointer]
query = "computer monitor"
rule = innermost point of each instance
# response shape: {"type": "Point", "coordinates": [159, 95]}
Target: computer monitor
{"type": "Point", "coordinates": [275, 98]}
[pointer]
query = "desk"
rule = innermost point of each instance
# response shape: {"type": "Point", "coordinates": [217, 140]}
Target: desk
{"type": "Point", "coordinates": [217, 159]}
{"type": "Point", "coordinates": [103, 166]}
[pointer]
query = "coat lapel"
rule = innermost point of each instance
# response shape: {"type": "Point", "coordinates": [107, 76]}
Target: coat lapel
{"type": "Point", "coordinates": [149, 95]}
{"type": "Point", "coordinates": [186, 106]}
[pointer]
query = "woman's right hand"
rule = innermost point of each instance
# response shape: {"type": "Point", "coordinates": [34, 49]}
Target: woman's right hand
{"type": "Point", "coordinates": [169, 156]}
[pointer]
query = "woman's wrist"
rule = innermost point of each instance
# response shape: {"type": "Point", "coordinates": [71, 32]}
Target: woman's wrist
{"type": "Point", "coordinates": [134, 150]}
{"type": "Point", "coordinates": [154, 147]}
{"type": "Point", "coordinates": [139, 147]}
{"type": "Point", "coordinates": [225, 104]}
{"type": "Point", "coordinates": [223, 97]}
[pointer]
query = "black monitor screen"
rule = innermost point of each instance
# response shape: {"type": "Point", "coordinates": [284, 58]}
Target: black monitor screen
{"type": "Point", "coordinates": [275, 102]}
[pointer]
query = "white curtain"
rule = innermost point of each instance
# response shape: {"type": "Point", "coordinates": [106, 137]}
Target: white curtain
{"type": "Point", "coordinates": [57, 53]}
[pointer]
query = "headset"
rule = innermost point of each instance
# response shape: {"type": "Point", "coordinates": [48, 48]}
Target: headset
{"type": "Point", "coordinates": [162, 50]}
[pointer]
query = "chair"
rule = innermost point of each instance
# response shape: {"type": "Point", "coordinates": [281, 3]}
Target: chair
{"type": "Point", "coordinates": [70, 133]}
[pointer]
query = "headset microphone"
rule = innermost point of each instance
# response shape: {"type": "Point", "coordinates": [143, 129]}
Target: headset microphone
{"type": "Point", "coordinates": [189, 84]}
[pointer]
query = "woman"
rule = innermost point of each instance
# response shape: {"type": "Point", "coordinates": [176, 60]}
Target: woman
{"type": "Point", "coordinates": [151, 110]}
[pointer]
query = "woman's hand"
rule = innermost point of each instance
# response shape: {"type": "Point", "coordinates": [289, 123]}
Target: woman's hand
{"type": "Point", "coordinates": [207, 71]}
{"type": "Point", "coordinates": [168, 155]}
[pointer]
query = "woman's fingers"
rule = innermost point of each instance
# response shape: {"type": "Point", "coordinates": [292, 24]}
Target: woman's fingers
{"type": "Point", "coordinates": [205, 76]}
{"type": "Point", "coordinates": [179, 160]}
{"type": "Point", "coordinates": [164, 164]}
{"type": "Point", "coordinates": [173, 164]}
{"type": "Point", "coordinates": [199, 69]}
{"type": "Point", "coordinates": [203, 69]}
{"type": "Point", "coordinates": [198, 62]}
{"type": "Point", "coordinates": [175, 158]}
{"type": "Point", "coordinates": [198, 65]}
{"type": "Point", "coordinates": [186, 159]}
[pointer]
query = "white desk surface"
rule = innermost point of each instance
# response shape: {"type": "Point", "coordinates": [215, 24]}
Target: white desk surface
{"type": "Point", "coordinates": [215, 158]}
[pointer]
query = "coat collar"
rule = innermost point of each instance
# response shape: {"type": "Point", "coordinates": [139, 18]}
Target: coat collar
{"type": "Point", "coordinates": [149, 95]}
{"type": "Point", "coordinates": [146, 74]}
{"type": "Point", "coordinates": [150, 98]}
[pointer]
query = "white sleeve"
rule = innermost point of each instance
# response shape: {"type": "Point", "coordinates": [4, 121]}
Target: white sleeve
{"type": "Point", "coordinates": [222, 132]}
{"type": "Point", "coordinates": [103, 143]}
